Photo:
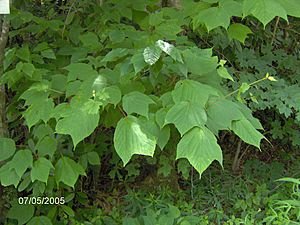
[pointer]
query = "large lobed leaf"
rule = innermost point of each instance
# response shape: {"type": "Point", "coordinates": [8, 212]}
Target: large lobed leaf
{"type": "Point", "coordinates": [200, 147]}
{"type": "Point", "coordinates": [130, 138]}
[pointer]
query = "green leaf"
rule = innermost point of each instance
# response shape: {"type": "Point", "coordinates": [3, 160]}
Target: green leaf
{"type": "Point", "coordinates": [222, 112]}
{"type": "Point", "coordinates": [40, 220]}
{"type": "Point", "coordinates": [21, 161]}
{"type": "Point", "coordinates": [39, 111]}
{"type": "Point", "coordinates": [28, 69]}
{"type": "Point", "coordinates": [137, 102]}
{"type": "Point", "coordinates": [170, 50]}
{"type": "Point", "coordinates": [222, 72]}
{"type": "Point", "coordinates": [80, 71]}
{"type": "Point", "coordinates": [193, 91]}
{"type": "Point", "coordinates": [79, 120]}
{"type": "Point", "coordinates": [245, 130]}
{"type": "Point", "coordinates": [292, 7]}
{"type": "Point", "coordinates": [151, 55]}
{"type": "Point", "coordinates": [90, 40]}
{"type": "Point", "coordinates": [264, 10]}
{"type": "Point", "coordinates": [214, 17]}
{"type": "Point", "coordinates": [239, 32]}
{"type": "Point", "coordinates": [93, 158]}
{"type": "Point", "coordinates": [186, 115]}
{"type": "Point", "coordinates": [48, 53]}
{"type": "Point", "coordinates": [67, 171]}
{"type": "Point", "coordinates": [115, 54]}
{"type": "Point", "coordinates": [46, 146]}
{"type": "Point", "coordinates": [24, 53]}
{"type": "Point", "coordinates": [200, 147]}
{"type": "Point", "coordinates": [21, 213]}
{"type": "Point", "coordinates": [41, 169]}
{"type": "Point", "coordinates": [111, 94]}
{"type": "Point", "coordinates": [7, 148]}
{"type": "Point", "coordinates": [150, 126]}
{"type": "Point", "coordinates": [138, 62]}
{"type": "Point", "coordinates": [199, 62]}
{"type": "Point", "coordinates": [130, 139]}
{"type": "Point", "coordinates": [8, 175]}
{"type": "Point", "coordinates": [68, 210]}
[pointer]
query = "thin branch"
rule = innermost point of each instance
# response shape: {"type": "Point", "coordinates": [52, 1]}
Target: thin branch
{"type": "Point", "coordinates": [275, 29]}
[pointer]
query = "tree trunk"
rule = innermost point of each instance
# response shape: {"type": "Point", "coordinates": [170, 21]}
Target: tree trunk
{"type": "Point", "coordinates": [4, 24]}
{"type": "Point", "coordinates": [3, 42]}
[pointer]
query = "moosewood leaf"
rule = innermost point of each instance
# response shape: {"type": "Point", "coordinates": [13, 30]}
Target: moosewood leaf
{"type": "Point", "coordinates": [245, 130]}
{"type": "Point", "coordinates": [150, 125]}
{"type": "Point", "coordinates": [8, 175]}
{"type": "Point", "coordinates": [214, 17]}
{"type": "Point", "coordinates": [7, 148]}
{"type": "Point", "coordinates": [130, 139]}
{"type": "Point", "coordinates": [239, 32]}
{"type": "Point", "coordinates": [222, 72]}
{"type": "Point", "coordinates": [264, 10]}
{"type": "Point", "coordinates": [186, 115]}
{"type": "Point", "coordinates": [199, 62]}
{"type": "Point", "coordinates": [80, 71]}
{"type": "Point", "coordinates": [21, 212]}
{"type": "Point", "coordinates": [21, 161]}
{"type": "Point", "coordinates": [292, 7]}
{"type": "Point", "coordinates": [152, 55]}
{"type": "Point", "coordinates": [222, 112]}
{"type": "Point", "coordinates": [78, 120]}
{"type": "Point", "coordinates": [193, 91]}
{"type": "Point", "coordinates": [40, 220]}
{"type": "Point", "coordinates": [170, 50]}
{"type": "Point", "coordinates": [200, 147]}
{"type": "Point", "coordinates": [41, 169]}
{"type": "Point", "coordinates": [67, 171]}
{"type": "Point", "coordinates": [137, 102]}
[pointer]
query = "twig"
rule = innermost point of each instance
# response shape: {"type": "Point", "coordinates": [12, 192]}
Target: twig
{"type": "Point", "coordinates": [275, 29]}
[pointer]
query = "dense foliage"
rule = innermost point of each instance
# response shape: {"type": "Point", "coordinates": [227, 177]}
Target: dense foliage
{"type": "Point", "coordinates": [119, 95]}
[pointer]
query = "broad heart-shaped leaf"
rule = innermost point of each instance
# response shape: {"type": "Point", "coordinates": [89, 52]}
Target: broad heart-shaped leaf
{"type": "Point", "coordinates": [239, 32]}
{"type": "Point", "coordinates": [46, 146]}
{"type": "Point", "coordinates": [21, 212]}
{"type": "Point", "coordinates": [138, 62]}
{"type": "Point", "coordinates": [79, 120]}
{"type": "Point", "coordinates": [41, 169]}
{"type": "Point", "coordinates": [214, 17]}
{"type": "Point", "coordinates": [40, 106]}
{"type": "Point", "coordinates": [200, 61]}
{"type": "Point", "coordinates": [186, 115]}
{"type": "Point", "coordinates": [67, 171]}
{"type": "Point", "coordinates": [40, 111]}
{"type": "Point", "coordinates": [21, 161]}
{"type": "Point", "coordinates": [248, 114]}
{"type": "Point", "coordinates": [8, 175]}
{"type": "Point", "coordinates": [80, 71]}
{"type": "Point", "coordinates": [292, 7]}
{"type": "Point", "coordinates": [152, 55]}
{"type": "Point", "coordinates": [150, 125]}
{"type": "Point", "coordinates": [40, 220]}
{"type": "Point", "coordinates": [170, 50]}
{"type": "Point", "coordinates": [200, 147]}
{"type": "Point", "coordinates": [111, 94]}
{"type": "Point", "coordinates": [7, 148]}
{"type": "Point", "coordinates": [137, 102]}
{"type": "Point", "coordinates": [222, 112]}
{"type": "Point", "coordinates": [245, 130]}
{"type": "Point", "coordinates": [264, 10]}
{"type": "Point", "coordinates": [193, 91]}
{"type": "Point", "coordinates": [130, 139]}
